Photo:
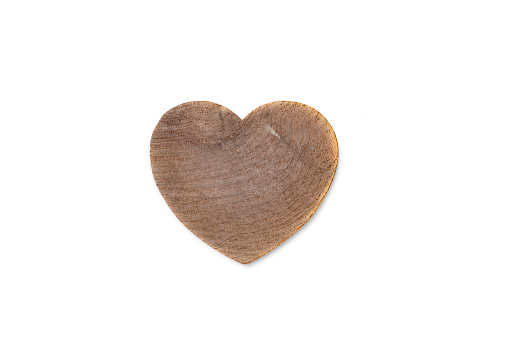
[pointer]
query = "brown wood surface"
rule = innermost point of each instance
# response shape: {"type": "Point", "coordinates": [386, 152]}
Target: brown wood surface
{"type": "Point", "coordinates": [243, 186]}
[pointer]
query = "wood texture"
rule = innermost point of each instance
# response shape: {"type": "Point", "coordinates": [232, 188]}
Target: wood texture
{"type": "Point", "coordinates": [243, 186]}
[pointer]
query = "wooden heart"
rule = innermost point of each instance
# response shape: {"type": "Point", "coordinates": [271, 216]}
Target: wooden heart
{"type": "Point", "coordinates": [243, 186]}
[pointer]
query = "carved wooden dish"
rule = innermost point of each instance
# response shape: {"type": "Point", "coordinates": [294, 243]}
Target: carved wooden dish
{"type": "Point", "coordinates": [243, 186]}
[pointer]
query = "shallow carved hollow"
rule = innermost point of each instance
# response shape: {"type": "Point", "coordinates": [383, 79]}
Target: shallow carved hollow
{"type": "Point", "coordinates": [243, 186]}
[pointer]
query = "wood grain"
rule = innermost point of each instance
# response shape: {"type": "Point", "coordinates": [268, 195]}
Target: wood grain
{"type": "Point", "coordinates": [243, 186]}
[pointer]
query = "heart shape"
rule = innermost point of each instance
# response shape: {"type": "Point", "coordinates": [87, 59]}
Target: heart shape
{"type": "Point", "coordinates": [243, 186]}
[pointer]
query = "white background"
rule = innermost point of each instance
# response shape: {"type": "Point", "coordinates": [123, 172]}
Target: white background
{"type": "Point", "coordinates": [411, 241]}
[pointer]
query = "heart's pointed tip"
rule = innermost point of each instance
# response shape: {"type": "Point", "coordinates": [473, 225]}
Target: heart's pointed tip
{"type": "Point", "coordinates": [244, 261]}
